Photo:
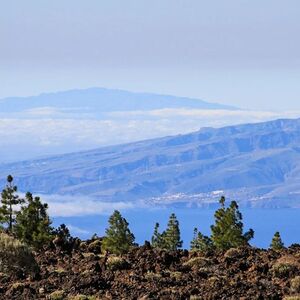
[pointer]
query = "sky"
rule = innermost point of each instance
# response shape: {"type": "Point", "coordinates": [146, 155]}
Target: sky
{"type": "Point", "coordinates": [240, 52]}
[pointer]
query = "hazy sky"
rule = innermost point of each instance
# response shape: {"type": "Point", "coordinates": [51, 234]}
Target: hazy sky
{"type": "Point", "coordinates": [239, 52]}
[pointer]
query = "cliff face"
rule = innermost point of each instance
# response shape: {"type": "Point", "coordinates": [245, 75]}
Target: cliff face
{"type": "Point", "coordinates": [147, 273]}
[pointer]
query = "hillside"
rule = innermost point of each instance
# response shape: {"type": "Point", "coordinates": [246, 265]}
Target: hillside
{"type": "Point", "coordinates": [257, 164]}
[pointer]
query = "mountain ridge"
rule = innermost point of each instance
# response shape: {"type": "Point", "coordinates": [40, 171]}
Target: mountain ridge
{"type": "Point", "coordinates": [254, 163]}
{"type": "Point", "coordinates": [105, 100]}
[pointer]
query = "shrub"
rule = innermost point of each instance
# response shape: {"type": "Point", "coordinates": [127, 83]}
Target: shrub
{"type": "Point", "coordinates": [57, 295]}
{"type": "Point", "coordinates": [89, 255]}
{"type": "Point", "coordinates": [282, 270]}
{"type": "Point", "coordinates": [16, 258]}
{"type": "Point", "coordinates": [152, 276]}
{"type": "Point", "coordinates": [117, 263]}
{"type": "Point", "coordinates": [83, 246]}
{"type": "Point", "coordinates": [197, 262]}
{"type": "Point", "coordinates": [60, 270]}
{"type": "Point", "coordinates": [285, 266]}
{"type": "Point", "coordinates": [232, 253]}
{"type": "Point", "coordinates": [18, 286]}
{"type": "Point", "coordinates": [295, 284]}
{"type": "Point", "coordinates": [82, 297]}
{"type": "Point", "coordinates": [213, 280]}
{"type": "Point", "coordinates": [95, 246]}
{"type": "Point", "coordinates": [176, 275]}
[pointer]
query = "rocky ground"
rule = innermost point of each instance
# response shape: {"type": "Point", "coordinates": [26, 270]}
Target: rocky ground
{"type": "Point", "coordinates": [82, 272]}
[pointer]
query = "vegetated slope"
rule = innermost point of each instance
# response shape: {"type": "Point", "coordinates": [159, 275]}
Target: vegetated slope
{"type": "Point", "coordinates": [97, 100]}
{"type": "Point", "coordinates": [254, 163]}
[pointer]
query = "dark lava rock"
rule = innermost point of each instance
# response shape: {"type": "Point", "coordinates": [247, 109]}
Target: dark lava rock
{"type": "Point", "coordinates": [148, 273]}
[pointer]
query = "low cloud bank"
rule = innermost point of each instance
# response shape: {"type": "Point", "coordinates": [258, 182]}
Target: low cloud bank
{"type": "Point", "coordinates": [53, 132]}
{"type": "Point", "coordinates": [68, 206]}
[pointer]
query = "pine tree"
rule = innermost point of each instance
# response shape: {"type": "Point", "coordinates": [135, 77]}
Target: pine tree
{"type": "Point", "coordinates": [156, 240]}
{"type": "Point", "coordinates": [63, 238]}
{"type": "Point", "coordinates": [228, 229]}
{"type": "Point", "coordinates": [33, 225]}
{"type": "Point", "coordinates": [277, 243]}
{"type": "Point", "coordinates": [63, 233]}
{"type": "Point", "coordinates": [9, 199]}
{"type": "Point", "coordinates": [171, 236]}
{"type": "Point", "coordinates": [118, 237]}
{"type": "Point", "coordinates": [201, 242]}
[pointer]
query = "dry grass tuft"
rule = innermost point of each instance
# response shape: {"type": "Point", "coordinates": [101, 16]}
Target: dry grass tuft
{"type": "Point", "coordinates": [16, 258]}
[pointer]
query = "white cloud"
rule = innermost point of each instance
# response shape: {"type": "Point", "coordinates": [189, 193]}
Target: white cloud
{"type": "Point", "coordinates": [77, 230]}
{"type": "Point", "coordinates": [68, 206]}
{"type": "Point", "coordinates": [223, 115]}
{"type": "Point", "coordinates": [30, 137]}
{"type": "Point", "coordinates": [42, 111]}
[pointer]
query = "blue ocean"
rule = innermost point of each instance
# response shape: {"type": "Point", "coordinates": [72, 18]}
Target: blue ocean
{"type": "Point", "coordinates": [265, 222]}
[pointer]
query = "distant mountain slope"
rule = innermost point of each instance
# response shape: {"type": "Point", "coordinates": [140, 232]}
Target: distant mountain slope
{"type": "Point", "coordinates": [98, 100]}
{"type": "Point", "coordinates": [258, 164]}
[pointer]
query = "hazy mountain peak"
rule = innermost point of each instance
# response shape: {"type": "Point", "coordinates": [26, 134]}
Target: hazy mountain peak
{"type": "Point", "coordinates": [105, 100]}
